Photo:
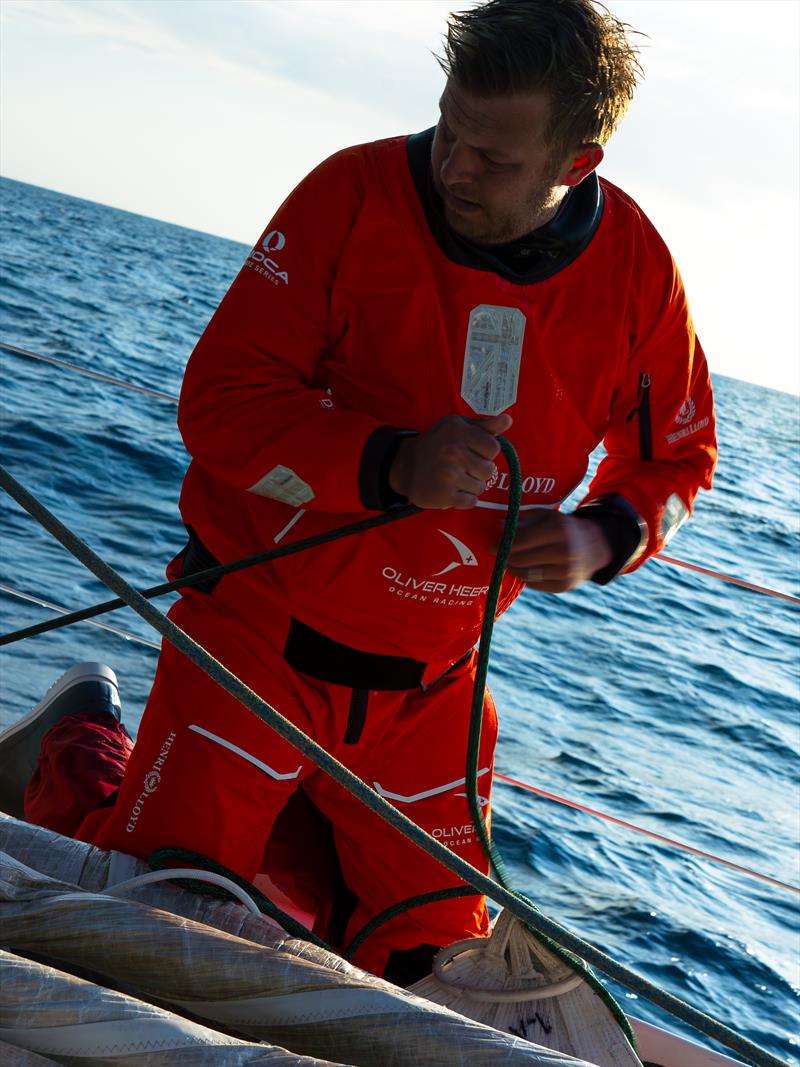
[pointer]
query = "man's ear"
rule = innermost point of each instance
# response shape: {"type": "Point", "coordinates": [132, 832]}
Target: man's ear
{"type": "Point", "coordinates": [581, 165]}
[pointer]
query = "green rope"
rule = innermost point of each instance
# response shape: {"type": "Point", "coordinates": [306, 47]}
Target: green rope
{"type": "Point", "coordinates": [473, 752]}
{"type": "Point", "coordinates": [400, 908]}
{"type": "Point", "coordinates": [212, 573]}
{"type": "Point", "coordinates": [482, 665]}
{"type": "Point", "coordinates": [515, 904]}
{"type": "Point", "coordinates": [473, 747]}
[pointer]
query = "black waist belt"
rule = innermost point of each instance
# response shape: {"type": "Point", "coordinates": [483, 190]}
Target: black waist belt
{"type": "Point", "coordinates": [313, 653]}
{"type": "Point", "coordinates": [321, 657]}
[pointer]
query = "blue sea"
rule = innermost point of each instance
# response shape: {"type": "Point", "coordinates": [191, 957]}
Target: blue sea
{"type": "Point", "coordinates": [667, 699]}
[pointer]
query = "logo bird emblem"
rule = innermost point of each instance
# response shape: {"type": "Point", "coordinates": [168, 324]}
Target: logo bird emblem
{"type": "Point", "coordinates": [466, 557]}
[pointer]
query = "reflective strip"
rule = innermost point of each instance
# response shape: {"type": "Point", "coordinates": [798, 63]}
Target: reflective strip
{"type": "Point", "coordinates": [428, 792]}
{"type": "Point", "coordinates": [246, 755]}
{"type": "Point", "coordinates": [639, 551]}
{"type": "Point", "coordinates": [282, 533]}
{"type": "Point", "coordinates": [118, 1038]}
{"type": "Point", "coordinates": [312, 1006]}
{"type": "Point", "coordinates": [675, 515]}
{"type": "Point", "coordinates": [523, 507]}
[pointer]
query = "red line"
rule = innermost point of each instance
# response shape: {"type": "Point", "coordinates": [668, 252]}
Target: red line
{"type": "Point", "coordinates": [647, 833]}
{"type": "Point", "coordinates": [728, 578]}
{"type": "Point", "coordinates": [89, 373]}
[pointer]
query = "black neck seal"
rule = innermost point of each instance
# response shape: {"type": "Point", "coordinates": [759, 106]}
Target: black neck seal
{"type": "Point", "coordinates": [532, 258]}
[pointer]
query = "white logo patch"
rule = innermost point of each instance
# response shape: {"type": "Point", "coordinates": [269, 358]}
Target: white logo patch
{"type": "Point", "coordinates": [151, 782]}
{"type": "Point", "coordinates": [453, 594]}
{"type": "Point", "coordinates": [274, 241]}
{"type": "Point", "coordinates": [466, 555]}
{"type": "Point", "coordinates": [686, 413]}
{"type": "Point", "coordinates": [281, 483]}
{"type": "Point", "coordinates": [492, 358]}
{"type": "Point", "coordinates": [260, 259]}
{"type": "Point", "coordinates": [687, 431]}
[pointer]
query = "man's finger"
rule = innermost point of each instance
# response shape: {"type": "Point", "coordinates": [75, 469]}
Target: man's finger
{"type": "Point", "coordinates": [555, 555]}
{"type": "Point", "coordinates": [546, 579]}
{"type": "Point", "coordinates": [470, 483]}
{"type": "Point", "coordinates": [562, 586]}
{"type": "Point", "coordinates": [482, 470]}
{"type": "Point", "coordinates": [495, 423]}
{"type": "Point", "coordinates": [481, 437]}
{"type": "Point", "coordinates": [531, 574]}
{"type": "Point", "coordinates": [538, 530]}
{"type": "Point", "coordinates": [540, 518]}
{"type": "Point", "coordinates": [541, 556]}
{"type": "Point", "coordinates": [464, 499]}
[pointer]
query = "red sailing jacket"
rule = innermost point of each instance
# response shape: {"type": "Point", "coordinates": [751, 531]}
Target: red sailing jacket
{"type": "Point", "coordinates": [348, 317]}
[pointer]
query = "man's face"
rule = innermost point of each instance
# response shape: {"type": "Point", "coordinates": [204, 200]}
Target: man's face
{"type": "Point", "coordinates": [492, 166]}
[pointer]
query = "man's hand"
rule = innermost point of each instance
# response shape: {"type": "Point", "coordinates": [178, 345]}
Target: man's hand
{"type": "Point", "coordinates": [449, 465]}
{"type": "Point", "coordinates": [554, 552]}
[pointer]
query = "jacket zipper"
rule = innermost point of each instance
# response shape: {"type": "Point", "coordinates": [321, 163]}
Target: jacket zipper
{"type": "Point", "coordinates": [643, 410]}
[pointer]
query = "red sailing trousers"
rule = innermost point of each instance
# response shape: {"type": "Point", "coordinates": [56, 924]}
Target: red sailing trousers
{"type": "Point", "coordinates": [208, 775]}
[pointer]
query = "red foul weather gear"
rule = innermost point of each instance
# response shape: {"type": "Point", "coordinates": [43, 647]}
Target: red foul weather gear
{"type": "Point", "coordinates": [207, 775]}
{"type": "Point", "coordinates": [347, 317]}
{"type": "Point", "coordinates": [348, 324]}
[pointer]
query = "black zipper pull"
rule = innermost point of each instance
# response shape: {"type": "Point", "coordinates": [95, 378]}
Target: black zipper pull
{"type": "Point", "coordinates": [642, 409]}
{"type": "Point", "coordinates": [644, 383]}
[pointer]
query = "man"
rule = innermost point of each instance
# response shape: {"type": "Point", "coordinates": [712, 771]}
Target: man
{"type": "Point", "coordinates": [410, 301]}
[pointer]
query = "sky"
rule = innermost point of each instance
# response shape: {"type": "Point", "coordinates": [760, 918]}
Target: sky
{"type": "Point", "coordinates": [206, 113]}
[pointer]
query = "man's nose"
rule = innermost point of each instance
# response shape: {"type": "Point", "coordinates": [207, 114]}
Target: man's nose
{"type": "Point", "coordinates": [461, 165]}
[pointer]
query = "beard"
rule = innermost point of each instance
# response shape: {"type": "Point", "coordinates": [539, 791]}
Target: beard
{"type": "Point", "coordinates": [488, 226]}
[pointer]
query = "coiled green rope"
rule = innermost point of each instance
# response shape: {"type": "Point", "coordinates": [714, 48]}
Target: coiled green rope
{"type": "Point", "coordinates": [287, 730]}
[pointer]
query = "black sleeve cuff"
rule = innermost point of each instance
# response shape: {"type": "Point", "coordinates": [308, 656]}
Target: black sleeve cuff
{"type": "Point", "coordinates": [622, 527]}
{"type": "Point", "coordinates": [373, 471]}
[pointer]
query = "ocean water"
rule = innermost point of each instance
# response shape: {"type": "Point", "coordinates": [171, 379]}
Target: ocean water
{"type": "Point", "coordinates": [667, 699]}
